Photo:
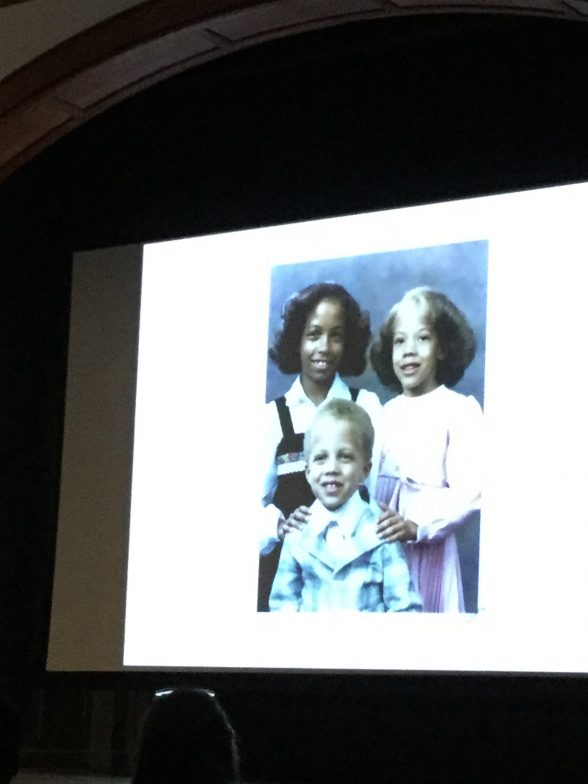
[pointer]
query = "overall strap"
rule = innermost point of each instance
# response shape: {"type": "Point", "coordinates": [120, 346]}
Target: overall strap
{"type": "Point", "coordinates": [285, 418]}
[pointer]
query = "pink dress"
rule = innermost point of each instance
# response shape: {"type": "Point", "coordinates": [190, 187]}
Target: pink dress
{"type": "Point", "coordinates": [430, 472]}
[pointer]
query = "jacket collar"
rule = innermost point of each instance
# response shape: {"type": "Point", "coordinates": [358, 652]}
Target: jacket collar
{"type": "Point", "coordinates": [363, 539]}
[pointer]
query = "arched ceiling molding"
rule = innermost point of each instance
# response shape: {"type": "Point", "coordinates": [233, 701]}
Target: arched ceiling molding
{"type": "Point", "coordinates": [123, 55]}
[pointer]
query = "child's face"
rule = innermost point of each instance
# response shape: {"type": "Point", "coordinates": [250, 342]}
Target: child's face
{"type": "Point", "coordinates": [323, 342]}
{"type": "Point", "coordinates": [336, 465]}
{"type": "Point", "coordinates": [415, 350]}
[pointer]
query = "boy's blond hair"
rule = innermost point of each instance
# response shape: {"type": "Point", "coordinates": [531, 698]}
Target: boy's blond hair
{"type": "Point", "coordinates": [350, 412]}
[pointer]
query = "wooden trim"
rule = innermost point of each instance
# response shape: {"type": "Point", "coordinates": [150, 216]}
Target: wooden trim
{"type": "Point", "coordinates": [145, 44]}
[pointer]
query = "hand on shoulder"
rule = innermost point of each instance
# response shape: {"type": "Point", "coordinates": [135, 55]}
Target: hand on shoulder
{"type": "Point", "coordinates": [294, 522]}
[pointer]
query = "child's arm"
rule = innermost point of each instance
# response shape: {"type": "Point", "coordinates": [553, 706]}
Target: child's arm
{"type": "Point", "coordinates": [272, 525]}
{"type": "Point", "coordinates": [294, 522]}
{"type": "Point", "coordinates": [392, 527]}
{"type": "Point", "coordinates": [286, 591]}
{"type": "Point", "coordinates": [438, 511]}
{"type": "Point", "coordinates": [399, 592]}
{"type": "Point", "coordinates": [269, 515]}
{"type": "Point", "coordinates": [370, 402]}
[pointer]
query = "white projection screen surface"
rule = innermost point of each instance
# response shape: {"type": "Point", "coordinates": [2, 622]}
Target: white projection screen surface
{"type": "Point", "coordinates": [159, 523]}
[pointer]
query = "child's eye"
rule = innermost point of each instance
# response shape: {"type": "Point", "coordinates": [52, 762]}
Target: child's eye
{"type": "Point", "coordinates": [319, 457]}
{"type": "Point", "coordinates": [397, 341]}
{"type": "Point", "coordinates": [424, 337]}
{"type": "Point", "coordinates": [346, 456]}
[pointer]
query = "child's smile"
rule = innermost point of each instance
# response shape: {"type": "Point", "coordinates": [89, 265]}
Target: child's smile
{"type": "Point", "coordinates": [336, 464]}
{"type": "Point", "coordinates": [322, 343]}
{"type": "Point", "coordinates": [321, 364]}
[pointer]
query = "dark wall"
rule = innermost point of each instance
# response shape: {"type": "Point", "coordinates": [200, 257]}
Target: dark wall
{"type": "Point", "coordinates": [368, 116]}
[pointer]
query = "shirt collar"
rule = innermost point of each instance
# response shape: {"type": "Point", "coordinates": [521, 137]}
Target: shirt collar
{"type": "Point", "coordinates": [347, 516]}
{"type": "Point", "coordinates": [296, 393]}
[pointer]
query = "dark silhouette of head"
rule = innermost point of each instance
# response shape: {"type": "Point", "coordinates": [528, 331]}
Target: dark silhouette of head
{"type": "Point", "coordinates": [186, 738]}
{"type": "Point", "coordinates": [9, 740]}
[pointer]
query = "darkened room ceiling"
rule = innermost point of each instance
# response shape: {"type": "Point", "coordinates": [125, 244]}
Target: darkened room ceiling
{"type": "Point", "coordinates": [114, 55]}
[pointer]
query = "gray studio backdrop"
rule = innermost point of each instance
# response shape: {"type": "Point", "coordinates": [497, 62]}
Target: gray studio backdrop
{"type": "Point", "coordinates": [379, 280]}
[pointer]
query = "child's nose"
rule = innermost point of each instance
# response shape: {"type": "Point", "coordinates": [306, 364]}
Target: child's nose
{"type": "Point", "coordinates": [409, 346]}
{"type": "Point", "coordinates": [331, 465]}
{"type": "Point", "coordinates": [324, 342]}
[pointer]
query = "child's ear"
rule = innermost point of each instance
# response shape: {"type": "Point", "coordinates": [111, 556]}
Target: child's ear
{"type": "Point", "coordinates": [307, 470]}
{"type": "Point", "coordinates": [367, 468]}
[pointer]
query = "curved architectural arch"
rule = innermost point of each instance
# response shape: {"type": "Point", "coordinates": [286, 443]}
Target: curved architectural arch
{"type": "Point", "coordinates": [123, 55]}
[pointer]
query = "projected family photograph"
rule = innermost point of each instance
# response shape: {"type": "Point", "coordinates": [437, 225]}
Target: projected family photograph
{"type": "Point", "coordinates": [371, 485]}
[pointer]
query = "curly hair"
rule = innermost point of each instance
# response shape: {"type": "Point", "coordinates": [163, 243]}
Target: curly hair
{"type": "Point", "coordinates": [285, 350]}
{"type": "Point", "coordinates": [456, 338]}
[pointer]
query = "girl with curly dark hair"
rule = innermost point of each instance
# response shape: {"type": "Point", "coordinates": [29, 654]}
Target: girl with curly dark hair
{"type": "Point", "coordinates": [324, 334]}
{"type": "Point", "coordinates": [430, 471]}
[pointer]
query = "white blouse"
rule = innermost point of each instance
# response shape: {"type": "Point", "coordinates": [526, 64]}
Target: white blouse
{"type": "Point", "coordinates": [434, 442]}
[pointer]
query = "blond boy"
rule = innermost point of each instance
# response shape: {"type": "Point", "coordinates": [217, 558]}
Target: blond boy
{"type": "Point", "coordinates": [337, 561]}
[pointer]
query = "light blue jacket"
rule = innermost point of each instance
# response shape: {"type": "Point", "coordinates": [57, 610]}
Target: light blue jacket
{"type": "Point", "coordinates": [369, 576]}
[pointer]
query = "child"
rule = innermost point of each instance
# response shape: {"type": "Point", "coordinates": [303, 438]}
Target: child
{"type": "Point", "coordinates": [338, 561]}
{"type": "Point", "coordinates": [323, 333]}
{"type": "Point", "coordinates": [430, 468]}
